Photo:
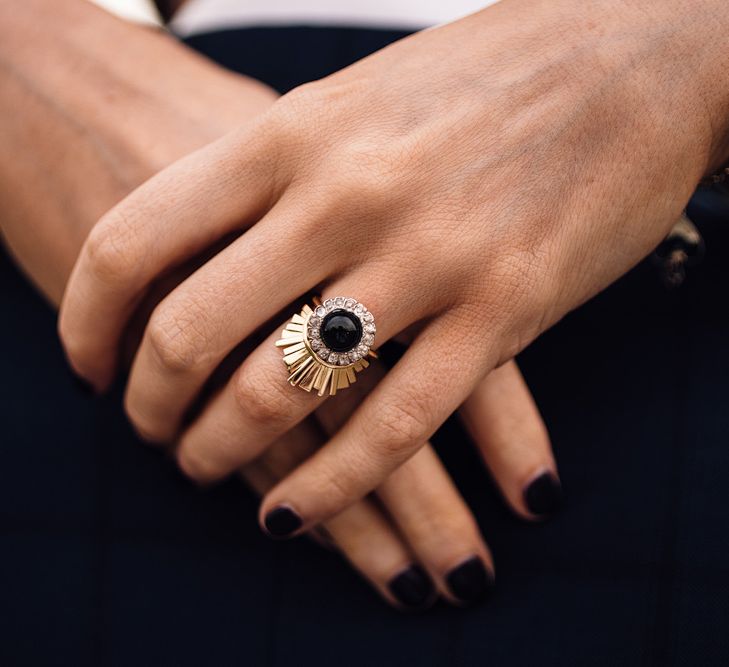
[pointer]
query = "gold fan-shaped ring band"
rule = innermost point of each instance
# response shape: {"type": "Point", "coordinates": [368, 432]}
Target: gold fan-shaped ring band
{"type": "Point", "coordinates": [311, 363]}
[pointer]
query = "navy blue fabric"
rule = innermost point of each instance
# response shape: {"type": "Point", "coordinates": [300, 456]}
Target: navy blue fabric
{"type": "Point", "coordinates": [109, 557]}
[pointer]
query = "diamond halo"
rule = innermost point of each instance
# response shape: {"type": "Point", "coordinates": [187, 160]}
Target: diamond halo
{"type": "Point", "coordinates": [317, 345]}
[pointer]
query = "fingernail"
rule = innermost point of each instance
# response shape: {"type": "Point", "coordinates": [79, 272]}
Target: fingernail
{"type": "Point", "coordinates": [282, 521]}
{"type": "Point", "coordinates": [412, 588]}
{"type": "Point", "coordinates": [470, 581]}
{"type": "Point", "coordinates": [544, 495]}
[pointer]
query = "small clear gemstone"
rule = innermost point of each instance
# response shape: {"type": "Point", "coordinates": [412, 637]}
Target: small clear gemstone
{"type": "Point", "coordinates": [329, 305]}
{"type": "Point", "coordinates": [339, 301]}
{"type": "Point", "coordinates": [368, 317]}
{"type": "Point", "coordinates": [362, 350]}
{"type": "Point", "coordinates": [359, 309]}
{"type": "Point", "coordinates": [324, 354]}
{"type": "Point", "coordinates": [353, 356]}
{"type": "Point", "coordinates": [343, 359]}
{"type": "Point", "coordinates": [369, 328]}
{"type": "Point", "coordinates": [368, 339]}
{"type": "Point", "coordinates": [350, 303]}
{"type": "Point", "coordinates": [315, 344]}
{"type": "Point", "coordinates": [320, 311]}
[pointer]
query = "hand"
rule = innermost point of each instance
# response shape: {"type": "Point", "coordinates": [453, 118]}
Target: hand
{"type": "Point", "coordinates": [482, 190]}
{"type": "Point", "coordinates": [422, 531]}
{"type": "Point", "coordinates": [426, 521]}
{"type": "Point", "coordinates": [84, 122]}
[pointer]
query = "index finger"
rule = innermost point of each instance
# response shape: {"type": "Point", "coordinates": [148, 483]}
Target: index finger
{"type": "Point", "coordinates": [396, 420]}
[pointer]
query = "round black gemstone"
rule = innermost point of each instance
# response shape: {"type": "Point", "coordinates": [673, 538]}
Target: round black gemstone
{"type": "Point", "coordinates": [341, 330]}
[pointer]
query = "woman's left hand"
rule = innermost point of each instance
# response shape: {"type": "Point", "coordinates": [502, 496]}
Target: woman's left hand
{"type": "Point", "coordinates": [416, 534]}
{"type": "Point", "coordinates": [482, 178]}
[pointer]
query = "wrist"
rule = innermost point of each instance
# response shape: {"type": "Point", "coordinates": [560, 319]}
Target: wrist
{"type": "Point", "coordinates": [681, 48]}
{"type": "Point", "coordinates": [656, 64]}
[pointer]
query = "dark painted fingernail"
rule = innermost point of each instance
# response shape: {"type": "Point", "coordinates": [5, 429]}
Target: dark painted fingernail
{"type": "Point", "coordinates": [470, 581]}
{"type": "Point", "coordinates": [544, 495]}
{"type": "Point", "coordinates": [412, 588]}
{"type": "Point", "coordinates": [282, 521]}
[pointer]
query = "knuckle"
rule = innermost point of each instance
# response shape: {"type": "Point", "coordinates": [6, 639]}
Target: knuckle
{"type": "Point", "coordinates": [73, 344]}
{"type": "Point", "coordinates": [304, 96]}
{"type": "Point", "coordinates": [109, 248]}
{"type": "Point", "coordinates": [525, 296]}
{"type": "Point", "coordinates": [199, 469]}
{"type": "Point", "coordinates": [401, 426]}
{"type": "Point", "coordinates": [170, 338]}
{"type": "Point", "coordinates": [291, 113]}
{"type": "Point", "coordinates": [147, 430]}
{"type": "Point", "coordinates": [372, 176]}
{"type": "Point", "coordinates": [342, 486]}
{"type": "Point", "coordinates": [262, 400]}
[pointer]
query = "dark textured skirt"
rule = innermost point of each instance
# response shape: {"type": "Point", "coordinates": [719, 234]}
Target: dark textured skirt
{"type": "Point", "coordinates": [109, 557]}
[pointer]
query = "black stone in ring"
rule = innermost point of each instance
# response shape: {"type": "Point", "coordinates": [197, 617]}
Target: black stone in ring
{"type": "Point", "coordinates": [341, 330]}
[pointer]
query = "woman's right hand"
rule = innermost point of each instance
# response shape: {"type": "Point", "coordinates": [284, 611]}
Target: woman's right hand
{"type": "Point", "coordinates": [420, 541]}
{"type": "Point", "coordinates": [158, 116]}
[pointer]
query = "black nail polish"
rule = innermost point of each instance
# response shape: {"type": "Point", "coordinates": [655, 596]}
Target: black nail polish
{"type": "Point", "coordinates": [412, 588]}
{"type": "Point", "coordinates": [544, 495]}
{"type": "Point", "coordinates": [470, 581]}
{"type": "Point", "coordinates": [282, 521]}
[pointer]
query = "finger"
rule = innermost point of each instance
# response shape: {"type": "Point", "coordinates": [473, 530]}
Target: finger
{"type": "Point", "coordinates": [439, 527]}
{"type": "Point", "coordinates": [258, 405]}
{"type": "Point", "coordinates": [373, 546]}
{"type": "Point", "coordinates": [506, 425]}
{"type": "Point", "coordinates": [362, 533]}
{"type": "Point", "coordinates": [225, 186]}
{"type": "Point", "coordinates": [196, 326]}
{"type": "Point", "coordinates": [283, 455]}
{"type": "Point", "coordinates": [430, 513]}
{"type": "Point", "coordinates": [395, 420]}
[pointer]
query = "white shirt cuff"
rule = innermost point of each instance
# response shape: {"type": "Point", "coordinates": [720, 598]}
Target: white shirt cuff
{"type": "Point", "coordinates": [138, 11]}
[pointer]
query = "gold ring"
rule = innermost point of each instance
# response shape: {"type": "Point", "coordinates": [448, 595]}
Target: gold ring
{"type": "Point", "coordinates": [326, 346]}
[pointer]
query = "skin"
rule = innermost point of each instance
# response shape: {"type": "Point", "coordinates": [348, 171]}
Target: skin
{"type": "Point", "coordinates": [483, 192]}
{"type": "Point", "coordinates": [100, 122]}
{"type": "Point", "coordinates": [97, 136]}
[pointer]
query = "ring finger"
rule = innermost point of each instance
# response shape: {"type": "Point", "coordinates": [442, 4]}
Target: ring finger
{"type": "Point", "coordinates": [257, 405]}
